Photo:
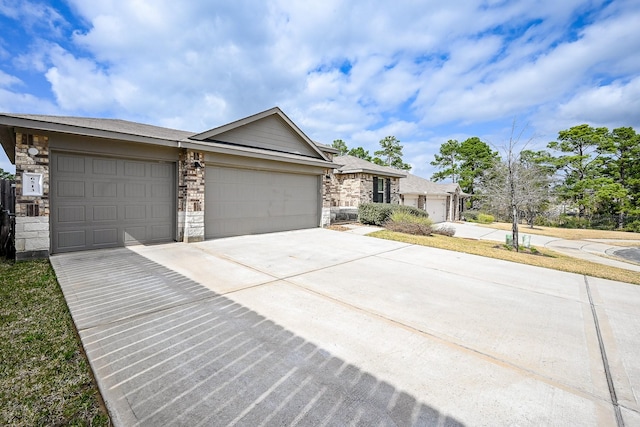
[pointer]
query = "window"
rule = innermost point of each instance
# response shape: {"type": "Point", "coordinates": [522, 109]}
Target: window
{"type": "Point", "coordinates": [381, 190]}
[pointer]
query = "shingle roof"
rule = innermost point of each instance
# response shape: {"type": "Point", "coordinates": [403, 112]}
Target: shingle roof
{"type": "Point", "coordinates": [108, 125]}
{"type": "Point", "coordinates": [413, 184]}
{"type": "Point", "coordinates": [326, 148]}
{"type": "Point", "coordinates": [351, 164]}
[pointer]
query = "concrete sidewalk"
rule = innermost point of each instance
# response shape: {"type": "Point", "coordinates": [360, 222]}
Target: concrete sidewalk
{"type": "Point", "coordinates": [319, 327]}
{"type": "Point", "coordinates": [595, 251]}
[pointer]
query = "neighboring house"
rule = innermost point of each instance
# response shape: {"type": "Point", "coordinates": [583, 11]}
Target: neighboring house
{"type": "Point", "coordinates": [85, 183]}
{"type": "Point", "coordinates": [443, 202]}
{"type": "Point", "coordinates": [358, 181]}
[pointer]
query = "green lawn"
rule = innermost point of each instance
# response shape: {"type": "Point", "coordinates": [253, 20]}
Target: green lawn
{"type": "Point", "coordinates": [45, 378]}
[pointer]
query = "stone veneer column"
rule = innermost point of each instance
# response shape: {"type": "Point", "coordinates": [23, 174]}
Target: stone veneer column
{"type": "Point", "coordinates": [191, 196]}
{"type": "Point", "coordinates": [395, 191]}
{"type": "Point", "coordinates": [32, 239]}
{"type": "Point", "coordinates": [327, 189]}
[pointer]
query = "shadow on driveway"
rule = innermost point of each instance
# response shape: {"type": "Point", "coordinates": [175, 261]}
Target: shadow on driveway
{"type": "Point", "coordinates": [167, 351]}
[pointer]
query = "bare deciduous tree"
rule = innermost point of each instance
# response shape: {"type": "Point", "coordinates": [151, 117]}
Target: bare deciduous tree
{"type": "Point", "coordinates": [513, 185]}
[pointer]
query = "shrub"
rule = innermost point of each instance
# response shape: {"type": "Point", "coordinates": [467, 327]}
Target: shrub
{"type": "Point", "coordinates": [544, 221]}
{"type": "Point", "coordinates": [633, 226]}
{"type": "Point", "coordinates": [374, 213]}
{"type": "Point", "coordinates": [470, 215]}
{"type": "Point", "coordinates": [410, 209]}
{"type": "Point", "coordinates": [379, 213]}
{"type": "Point", "coordinates": [445, 230]}
{"type": "Point", "coordinates": [572, 221]}
{"type": "Point", "coordinates": [405, 222]}
{"type": "Point", "coordinates": [485, 218]}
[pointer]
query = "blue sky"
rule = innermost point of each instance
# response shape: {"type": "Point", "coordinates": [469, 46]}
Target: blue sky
{"type": "Point", "coordinates": [423, 71]}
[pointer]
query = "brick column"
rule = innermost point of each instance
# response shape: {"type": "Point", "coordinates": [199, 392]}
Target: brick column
{"type": "Point", "coordinates": [191, 196]}
{"type": "Point", "coordinates": [32, 239]}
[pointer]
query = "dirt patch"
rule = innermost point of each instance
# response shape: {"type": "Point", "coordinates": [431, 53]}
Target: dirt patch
{"type": "Point", "coordinates": [337, 227]}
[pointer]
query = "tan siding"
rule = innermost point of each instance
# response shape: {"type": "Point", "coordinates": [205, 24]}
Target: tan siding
{"type": "Point", "coordinates": [259, 164]}
{"type": "Point", "coordinates": [270, 133]}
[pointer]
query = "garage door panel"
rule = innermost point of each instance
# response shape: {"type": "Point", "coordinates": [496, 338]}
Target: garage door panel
{"type": "Point", "coordinates": [135, 234]}
{"type": "Point", "coordinates": [134, 190]}
{"type": "Point", "coordinates": [161, 212]}
{"type": "Point", "coordinates": [243, 201]}
{"type": "Point", "coordinates": [133, 212]}
{"type": "Point", "coordinates": [104, 167]}
{"type": "Point", "coordinates": [105, 236]}
{"type": "Point", "coordinates": [161, 171]}
{"type": "Point", "coordinates": [160, 191]}
{"type": "Point", "coordinates": [70, 164]}
{"type": "Point", "coordinates": [134, 169]}
{"type": "Point", "coordinates": [105, 213]}
{"type": "Point", "coordinates": [110, 202]}
{"type": "Point", "coordinates": [72, 214]}
{"type": "Point", "coordinates": [162, 232]}
{"type": "Point", "coordinates": [72, 239]}
{"type": "Point", "coordinates": [104, 189]}
{"type": "Point", "coordinates": [70, 189]}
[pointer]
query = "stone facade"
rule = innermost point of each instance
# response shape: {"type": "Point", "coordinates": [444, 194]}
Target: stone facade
{"type": "Point", "coordinates": [191, 177]}
{"type": "Point", "coordinates": [345, 192]}
{"type": "Point", "coordinates": [325, 217]}
{"type": "Point", "coordinates": [32, 212]}
{"type": "Point", "coordinates": [422, 202]}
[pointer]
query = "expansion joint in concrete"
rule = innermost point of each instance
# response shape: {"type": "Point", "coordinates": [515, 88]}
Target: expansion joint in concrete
{"type": "Point", "coordinates": [605, 361]}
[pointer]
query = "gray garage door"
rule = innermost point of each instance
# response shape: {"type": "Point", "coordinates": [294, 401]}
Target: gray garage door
{"type": "Point", "coordinates": [242, 201]}
{"type": "Point", "coordinates": [103, 202]}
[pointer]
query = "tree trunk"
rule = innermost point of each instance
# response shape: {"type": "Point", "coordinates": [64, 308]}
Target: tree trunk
{"type": "Point", "coordinates": [514, 228]}
{"type": "Point", "coordinates": [620, 219]}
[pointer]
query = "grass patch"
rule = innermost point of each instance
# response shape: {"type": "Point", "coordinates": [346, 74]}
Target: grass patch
{"type": "Point", "coordinates": [568, 233]}
{"type": "Point", "coordinates": [45, 378]}
{"type": "Point", "coordinates": [549, 259]}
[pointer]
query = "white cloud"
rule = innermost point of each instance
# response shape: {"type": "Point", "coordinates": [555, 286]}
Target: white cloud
{"type": "Point", "coordinates": [34, 16]}
{"type": "Point", "coordinates": [7, 80]}
{"type": "Point", "coordinates": [541, 79]}
{"type": "Point", "coordinates": [411, 70]}
{"type": "Point", "coordinates": [616, 104]}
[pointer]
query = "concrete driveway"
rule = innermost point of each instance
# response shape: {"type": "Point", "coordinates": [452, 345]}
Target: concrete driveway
{"type": "Point", "coordinates": [320, 327]}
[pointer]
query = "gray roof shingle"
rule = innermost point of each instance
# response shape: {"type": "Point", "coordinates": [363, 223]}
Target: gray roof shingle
{"type": "Point", "coordinates": [413, 184]}
{"type": "Point", "coordinates": [108, 125]}
{"type": "Point", "coordinates": [351, 164]}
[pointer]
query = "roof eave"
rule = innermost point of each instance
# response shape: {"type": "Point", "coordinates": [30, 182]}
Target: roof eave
{"type": "Point", "coordinates": [22, 124]}
{"type": "Point", "coordinates": [215, 147]}
{"type": "Point", "coordinates": [326, 148]}
{"type": "Point", "coordinates": [7, 139]}
{"type": "Point", "coordinates": [371, 171]}
{"type": "Point", "coordinates": [422, 193]}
